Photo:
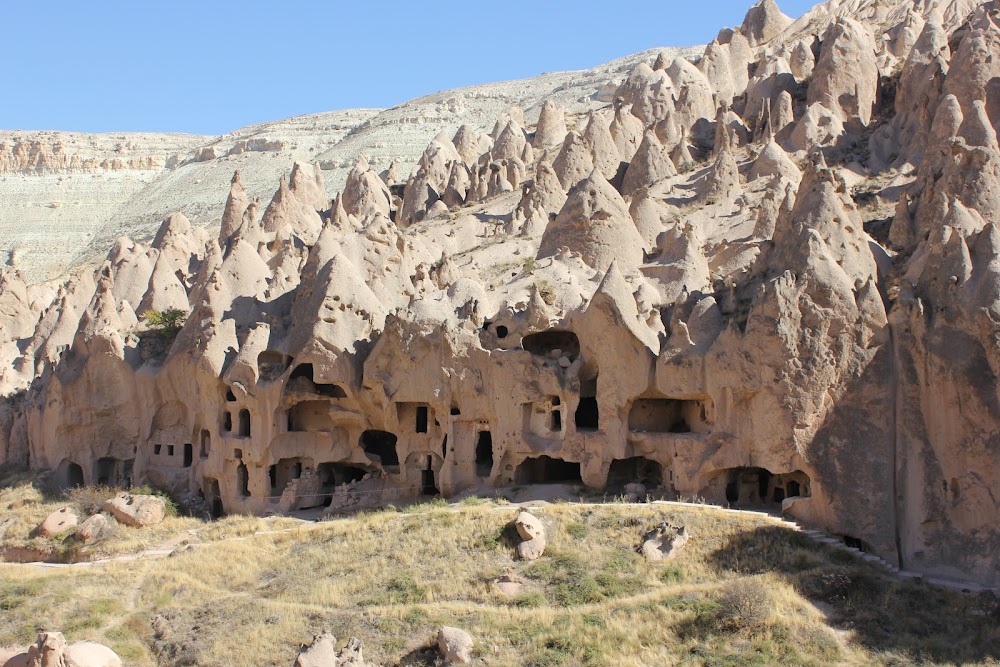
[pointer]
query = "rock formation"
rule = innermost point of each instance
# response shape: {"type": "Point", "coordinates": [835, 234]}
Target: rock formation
{"type": "Point", "coordinates": [767, 279]}
{"type": "Point", "coordinates": [455, 645]}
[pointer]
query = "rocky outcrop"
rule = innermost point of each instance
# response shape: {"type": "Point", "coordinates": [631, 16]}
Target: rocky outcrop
{"type": "Point", "coordinates": [759, 279]}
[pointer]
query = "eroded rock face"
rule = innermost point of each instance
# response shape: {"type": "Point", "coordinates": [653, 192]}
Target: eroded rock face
{"type": "Point", "coordinates": [759, 280]}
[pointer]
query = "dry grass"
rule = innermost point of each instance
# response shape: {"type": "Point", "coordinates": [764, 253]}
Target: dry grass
{"type": "Point", "coordinates": [393, 577]}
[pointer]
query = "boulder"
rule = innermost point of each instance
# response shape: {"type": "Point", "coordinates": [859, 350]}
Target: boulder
{"type": "Point", "coordinates": [532, 532]}
{"type": "Point", "coordinates": [51, 650]}
{"type": "Point", "coordinates": [58, 522]}
{"type": "Point", "coordinates": [529, 526]}
{"type": "Point", "coordinates": [664, 542]}
{"type": "Point", "coordinates": [136, 511]}
{"type": "Point", "coordinates": [92, 654]}
{"type": "Point", "coordinates": [322, 652]}
{"type": "Point", "coordinates": [13, 658]}
{"type": "Point", "coordinates": [531, 549]}
{"type": "Point", "coordinates": [455, 645]}
{"type": "Point", "coordinates": [93, 529]}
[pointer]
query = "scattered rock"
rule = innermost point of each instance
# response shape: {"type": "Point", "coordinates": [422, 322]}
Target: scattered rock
{"type": "Point", "coordinates": [663, 542]}
{"type": "Point", "coordinates": [322, 652]}
{"type": "Point", "coordinates": [509, 584]}
{"type": "Point", "coordinates": [455, 645]}
{"type": "Point", "coordinates": [136, 511]}
{"type": "Point", "coordinates": [51, 650]}
{"type": "Point", "coordinates": [93, 529]}
{"type": "Point", "coordinates": [58, 522]}
{"type": "Point", "coordinates": [529, 526]}
{"type": "Point", "coordinates": [532, 532]}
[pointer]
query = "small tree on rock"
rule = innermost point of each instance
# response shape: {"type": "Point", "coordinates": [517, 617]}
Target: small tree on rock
{"type": "Point", "coordinates": [167, 322]}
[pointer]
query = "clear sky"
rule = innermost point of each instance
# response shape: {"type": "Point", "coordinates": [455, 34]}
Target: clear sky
{"type": "Point", "coordinates": [211, 66]}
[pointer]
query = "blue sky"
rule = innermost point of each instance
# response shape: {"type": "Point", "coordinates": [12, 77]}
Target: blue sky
{"type": "Point", "coordinates": [210, 66]}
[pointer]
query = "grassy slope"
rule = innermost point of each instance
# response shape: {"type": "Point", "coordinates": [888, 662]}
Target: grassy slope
{"type": "Point", "coordinates": [393, 577]}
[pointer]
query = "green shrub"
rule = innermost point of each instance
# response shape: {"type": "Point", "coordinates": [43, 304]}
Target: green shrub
{"type": "Point", "coordinates": [672, 574]}
{"type": "Point", "coordinates": [167, 322]}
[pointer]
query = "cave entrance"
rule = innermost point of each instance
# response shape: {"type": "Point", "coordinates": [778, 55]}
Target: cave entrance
{"type": "Point", "coordinates": [243, 480]}
{"type": "Point", "coordinates": [381, 445]}
{"type": "Point", "coordinates": [206, 443]}
{"type": "Point", "coordinates": [587, 412]}
{"type": "Point", "coordinates": [666, 415]}
{"type": "Point", "coordinates": [284, 472]}
{"type": "Point", "coordinates": [484, 453]}
{"type": "Point", "coordinates": [271, 364]}
{"type": "Point", "coordinates": [553, 343]}
{"type": "Point", "coordinates": [214, 497]}
{"type": "Point", "coordinates": [428, 487]}
{"type": "Point", "coordinates": [188, 454]}
{"type": "Point", "coordinates": [244, 423]}
{"type": "Point", "coordinates": [72, 475]}
{"type": "Point", "coordinates": [547, 470]}
{"type": "Point", "coordinates": [637, 469]}
{"type": "Point", "coordinates": [310, 416]}
{"type": "Point", "coordinates": [332, 475]}
{"type": "Point", "coordinates": [302, 381]}
{"type": "Point", "coordinates": [106, 472]}
{"type": "Point", "coordinates": [757, 486]}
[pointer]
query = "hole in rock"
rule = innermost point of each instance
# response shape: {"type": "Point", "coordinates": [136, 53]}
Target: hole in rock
{"type": "Point", "coordinates": [587, 412]}
{"type": "Point", "coordinates": [639, 469]}
{"type": "Point", "coordinates": [381, 445]}
{"type": "Point", "coordinates": [666, 415]}
{"type": "Point", "coordinates": [547, 470]}
{"type": "Point", "coordinates": [545, 343]}
{"type": "Point", "coordinates": [484, 453]}
{"type": "Point", "coordinates": [427, 483]}
{"type": "Point", "coordinates": [244, 423]}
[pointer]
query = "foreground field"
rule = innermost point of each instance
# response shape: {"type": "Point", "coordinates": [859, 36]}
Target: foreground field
{"type": "Point", "coordinates": [745, 591]}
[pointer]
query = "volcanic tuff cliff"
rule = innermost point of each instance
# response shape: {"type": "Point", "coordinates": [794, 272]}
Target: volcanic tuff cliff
{"type": "Point", "coordinates": [769, 274]}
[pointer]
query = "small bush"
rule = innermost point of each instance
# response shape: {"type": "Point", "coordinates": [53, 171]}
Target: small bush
{"type": "Point", "coordinates": [672, 574]}
{"type": "Point", "coordinates": [746, 604]}
{"type": "Point", "coordinates": [577, 531]}
{"type": "Point", "coordinates": [532, 600]}
{"type": "Point", "coordinates": [90, 499]}
{"type": "Point", "coordinates": [404, 590]}
{"type": "Point", "coordinates": [167, 322]}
